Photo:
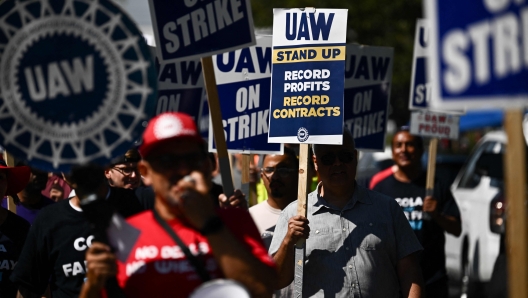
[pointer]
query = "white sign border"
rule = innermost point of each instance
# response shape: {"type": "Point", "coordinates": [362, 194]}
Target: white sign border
{"type": "Point", "coordinates": [202, 55]}
{"type": "Point", "coordinates": [460, 103]}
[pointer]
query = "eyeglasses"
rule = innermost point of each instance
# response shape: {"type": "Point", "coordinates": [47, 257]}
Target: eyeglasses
{"type": "Point", "coordinates": [343, 156]}
{"type": "Point", "coordinates": [126, 171]}
{"type": "Point", "coordinates": [168, 161]}
{"type": "Point", "coordinates": [282, 172]}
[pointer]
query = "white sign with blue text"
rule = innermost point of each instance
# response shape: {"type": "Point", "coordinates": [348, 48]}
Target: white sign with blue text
{"type": "Point", "coordinates": [479, 53]}
{"type": "Point", "coordinates": [194, 29]}
{"type": "Point", "coordinates": [243, 79]}
{"type": "Point", "coordinates": [368, 79]}
{"type": "Point", "coordinates": [434, 125]}
{"type": "Point", "coordinates": [308, 76]}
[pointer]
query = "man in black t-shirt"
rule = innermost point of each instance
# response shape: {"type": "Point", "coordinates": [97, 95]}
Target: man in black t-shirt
{"type": "Point", "coordinates": [13, 228]}
{"type": "Point", "coordinates": [55, 248]}
{"type": "Point", "coordinates": [429, 216]}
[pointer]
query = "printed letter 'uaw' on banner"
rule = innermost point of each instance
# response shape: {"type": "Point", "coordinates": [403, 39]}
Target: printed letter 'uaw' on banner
{"type": "Point", "coordinates": [243, 78]}
{"type": "Point", "coordinates": [434, 125]}
{"type": "Point", "coordinates": [181, 88]}
{"type": "Point", "coordinates": [74, 89]}
{"type": "Point", "coordinates": [308, 76]}
{"type": "Point", "coordinates": [194, 29]}
{"type": "Point", "coordinates": [479, 53]}
{"type": "Point", "coordinates": [368, 78]}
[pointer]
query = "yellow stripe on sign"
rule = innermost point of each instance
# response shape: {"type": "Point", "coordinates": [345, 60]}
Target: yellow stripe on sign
{"type": "Point", "coordinates": [309, 54]}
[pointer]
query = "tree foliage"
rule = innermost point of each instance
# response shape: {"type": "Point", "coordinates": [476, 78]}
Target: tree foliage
{"type": "Point", "coordinates": [388, 23]}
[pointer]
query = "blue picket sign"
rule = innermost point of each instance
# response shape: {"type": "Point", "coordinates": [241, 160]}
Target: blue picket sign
{"type": "Point", "coordinates": [479, 57]}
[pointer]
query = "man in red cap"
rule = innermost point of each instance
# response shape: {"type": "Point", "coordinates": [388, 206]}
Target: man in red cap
{"type": "Point", "coordinates": [225, 242]}
{"type": "Point", "coordinates": [13, 228]}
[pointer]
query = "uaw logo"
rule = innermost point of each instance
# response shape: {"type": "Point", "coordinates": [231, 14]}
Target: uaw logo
{"type": "Point", "coordinates": [302, 134]}
{"type": "Point", "coordinates": [77, 81]}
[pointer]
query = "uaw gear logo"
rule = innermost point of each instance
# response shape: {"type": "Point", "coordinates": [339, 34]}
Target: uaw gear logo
{"type": "Point", "coordinates": [302, 134]}
{"type": "Point", "coordinates": [77, 81]}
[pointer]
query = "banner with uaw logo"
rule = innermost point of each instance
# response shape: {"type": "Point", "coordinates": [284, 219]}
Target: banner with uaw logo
{"type": "Point", "coordinates": [77, 82]}
{"type": "Point", "coordinates": [307, 78]}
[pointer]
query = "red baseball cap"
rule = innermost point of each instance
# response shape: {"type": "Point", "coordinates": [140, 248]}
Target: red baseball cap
{"type": "Point", "coordinates": [166, 127]}
{"type": "Point", "coordinates": [17, 178]}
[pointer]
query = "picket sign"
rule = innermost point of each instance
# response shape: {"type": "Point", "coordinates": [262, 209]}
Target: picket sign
{"type": "Point", "coordinates": [220, 29]}
{"type": "Point", "coordinates": [216, 120]}
{"type": "Point", "coordinates": [307, 91]}
{"type": "Point", "coordinates": [479, 60]}
{"type": "Point", "coordinates": [10, 162]}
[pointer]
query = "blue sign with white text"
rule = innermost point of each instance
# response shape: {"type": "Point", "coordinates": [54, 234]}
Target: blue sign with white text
{"type": "Point", "coordinates": [480, 53]}
{"type": "Point", "coordinates": [78, 82]}
{"type": "Point", "coordinates": [194, 29]}
{"type": "Point", "coordinates": [181, 87]}
{"type": "Point", "coordinates": [243, 80]}
{"type": "Point", "coordinates": [368, 79]}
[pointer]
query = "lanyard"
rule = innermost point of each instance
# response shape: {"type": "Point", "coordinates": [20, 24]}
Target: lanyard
{"type": "Point", "coordinates": [196, 262]}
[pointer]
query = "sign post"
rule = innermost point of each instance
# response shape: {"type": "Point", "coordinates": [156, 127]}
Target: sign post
{"type": "Point", "coordinates": [515, 182]}
{"type": "Point", "coordinates": [307, 90]}
{"type": "Point", "coordinates": [216, 119]}
{"type": "Point", "coordinates": [10, 163]}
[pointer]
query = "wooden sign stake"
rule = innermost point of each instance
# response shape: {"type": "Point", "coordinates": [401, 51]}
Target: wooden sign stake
{"type": "Point", "coordinates": [431, 167]}
{"type": "Point", "coordinates": [300, 246]}
{"type": "Point", "coordinates": [246, 163]}
{"type": "Point", "coordinates": [515, 190]}
{"type": "Point", "coordinates": [218, 128]}
{"type": "Point", "coordinates": [10, 162]}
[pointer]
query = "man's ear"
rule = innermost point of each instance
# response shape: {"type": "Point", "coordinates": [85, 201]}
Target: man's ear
{"type": "Point", "coordinates": [315, 162]}
{"type": "Point", "coordinates": [144, 172]}
{"type": "Point", "coordinates": [107, 173]}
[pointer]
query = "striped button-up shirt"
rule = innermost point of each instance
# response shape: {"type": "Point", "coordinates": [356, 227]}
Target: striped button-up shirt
{"type": "Point", "coordinates": [352, 252]}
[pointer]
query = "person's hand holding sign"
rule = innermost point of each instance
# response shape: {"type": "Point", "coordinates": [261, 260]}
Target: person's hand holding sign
{"type": "Point", "coordinates": [430, 206]}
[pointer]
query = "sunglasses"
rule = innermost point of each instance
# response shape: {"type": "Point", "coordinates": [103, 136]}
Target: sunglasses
{"type": "Point", "coordinates": [126, 171]}
{"type": "Point", "coordinates": [282, 172]}
{"type": "Point", "coordinates": [343, 156]}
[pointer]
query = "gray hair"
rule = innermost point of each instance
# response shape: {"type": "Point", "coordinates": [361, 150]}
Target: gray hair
{"type": "Point", "coordinates": [347, 135]}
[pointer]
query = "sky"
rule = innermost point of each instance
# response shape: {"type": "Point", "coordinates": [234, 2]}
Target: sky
{"type": "Point", "coordinates": [140, 13]}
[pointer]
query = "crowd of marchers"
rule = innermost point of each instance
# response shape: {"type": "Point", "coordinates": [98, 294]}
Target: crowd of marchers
{"type": "Point", "coordinates": [179, 233]}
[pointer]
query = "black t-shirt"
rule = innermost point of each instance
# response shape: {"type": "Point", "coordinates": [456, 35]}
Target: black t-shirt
{"type": "Point", "coordinates": [145, 196]}
{"type": "Point", "coordinates": [55, 248]}
{"type": "Point", "coordinates": [56, 245]}
{"type": "Point", "coordinates": [124, 201]}
{"type": "Point", "coordinates": [410, 196]}
{"type": "Point", "coordinates": [13, 233]}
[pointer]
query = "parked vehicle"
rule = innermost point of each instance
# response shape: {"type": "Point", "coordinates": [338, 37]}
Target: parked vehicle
{"type": "Point", "coordinates": [477, 189]}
